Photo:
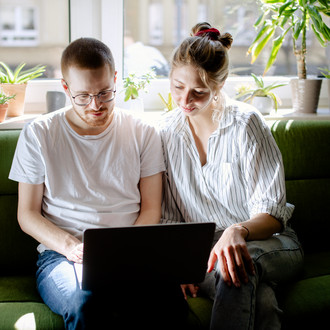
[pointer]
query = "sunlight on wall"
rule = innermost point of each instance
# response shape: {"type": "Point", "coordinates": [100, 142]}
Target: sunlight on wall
{"type": "Point", "coordinates": [26, 322]}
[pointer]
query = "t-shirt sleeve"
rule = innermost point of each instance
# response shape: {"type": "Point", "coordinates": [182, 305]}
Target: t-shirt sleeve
{"type": "Point", "coordinates": [28, 165]}
{"type": "Point", "coordinates": [152, 159]}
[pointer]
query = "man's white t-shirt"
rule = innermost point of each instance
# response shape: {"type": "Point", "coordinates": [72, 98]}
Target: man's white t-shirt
{"type": "Point", "coordinates": [90, 181]}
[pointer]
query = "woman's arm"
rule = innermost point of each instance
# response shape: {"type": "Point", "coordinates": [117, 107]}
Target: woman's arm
{"type": "Point", "coordinates": [44, 231]}
{"type": "Point", "coordinates": [234, 260]}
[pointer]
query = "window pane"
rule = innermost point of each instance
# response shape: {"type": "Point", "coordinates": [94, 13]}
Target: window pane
{"type": "Point", "coordinates": [34, 32]}
{"type": "Point", "coordinates": [153, 28]}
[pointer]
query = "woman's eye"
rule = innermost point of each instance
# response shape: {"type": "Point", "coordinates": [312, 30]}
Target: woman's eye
{"type": "Point", "coordinates": [178, 87]}
{"type": "Point", "coordinates": [199, 93]}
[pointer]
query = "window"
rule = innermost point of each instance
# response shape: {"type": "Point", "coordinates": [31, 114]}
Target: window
{"type": "Point", "coordinates": [34, 32]}
{"type": "Point", "coordinates": [19, 26]}
{"type": "Point", "coordinates": [162, 24]}
{"type": "Point", "coordinates": [141, 34]}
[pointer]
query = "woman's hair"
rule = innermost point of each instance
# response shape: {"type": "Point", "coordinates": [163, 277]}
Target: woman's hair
{"type": "Point", "coordinates": [86, 53]}
{"type": "Point", "coordinates": [207, 50]}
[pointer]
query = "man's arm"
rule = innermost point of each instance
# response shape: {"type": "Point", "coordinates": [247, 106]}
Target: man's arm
{"type": "Point", "coordinates": [151, 198]}
{"type": "Point", "coordinates": [34, 224]}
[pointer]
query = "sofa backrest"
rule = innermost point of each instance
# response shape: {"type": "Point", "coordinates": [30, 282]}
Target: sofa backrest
{"type": "Point", "coordinates": [305, 147]}
{"type": "Point", "coordinates": [17, 250]}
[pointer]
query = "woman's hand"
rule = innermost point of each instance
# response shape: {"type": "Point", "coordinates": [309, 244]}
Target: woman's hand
{"type": "Point", "coordinates": [234, 260]}
{"type": "Point", "coordinates": [190, 288]}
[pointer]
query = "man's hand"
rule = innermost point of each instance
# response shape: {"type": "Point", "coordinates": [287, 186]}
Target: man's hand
{"type": "Point", "coordinates": [76, 254]}
{"type": "Point", "coordinates": [190, 288]}
{"type": "Point", "coordinates": [234, 260]}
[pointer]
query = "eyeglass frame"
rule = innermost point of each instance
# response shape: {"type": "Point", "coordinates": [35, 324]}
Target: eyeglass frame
{"type": "Point", "coordinates": [91, 96]}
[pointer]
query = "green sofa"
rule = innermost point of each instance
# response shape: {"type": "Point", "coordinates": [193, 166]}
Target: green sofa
{"type": "Point", "coordinates": [305, 147]}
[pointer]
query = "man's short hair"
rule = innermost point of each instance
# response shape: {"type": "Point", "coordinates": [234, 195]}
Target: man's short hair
{"type": "Point", "coordinates": [86, 53]}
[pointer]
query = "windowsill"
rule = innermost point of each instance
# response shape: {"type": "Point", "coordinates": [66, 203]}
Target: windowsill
{"type": "Point", "coordinates": [12, 123]}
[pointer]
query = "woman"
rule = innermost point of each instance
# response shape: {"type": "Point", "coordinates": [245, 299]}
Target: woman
{"type": "Point", "coordinates": [223, 165]}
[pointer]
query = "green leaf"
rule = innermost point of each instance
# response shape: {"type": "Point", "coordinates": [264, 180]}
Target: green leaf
{"type": "Point", "coordinates": [297, 29]}
{"type": "Point", "coordinates": [10, 75]}
{"type": "Point", "coordinates": [277, 43]}
{"type": "Point", "coordinates": [260, 19]}
{"type": "Point", "coordinates": [258, 82]}
{"type": "Point", "coordinates": [318, 36]}
{"type": "Point", "coordinates": [17, 72]}
{"type": "Point", "coordinates": [135, 93]}
{"type": "Point", "coordinates": [284, 7]}
{"type": "Point", "coordinates": [324, 3]}
{"type": "Point", "coordinates": [274, 98]}
{"type": "Point", "coordinates": [261, 44]}
{"type": "Point", "coordinates": [274, 1]}
{"type": "Point", "coordinates": [127, 95]}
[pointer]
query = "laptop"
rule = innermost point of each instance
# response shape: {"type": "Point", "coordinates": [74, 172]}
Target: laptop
{"type": "Point", "coordinates": [175, 253]}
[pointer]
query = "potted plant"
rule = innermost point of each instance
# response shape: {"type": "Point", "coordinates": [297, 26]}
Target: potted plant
{"type": "Point", "coordinates": [15, 82]}
{"type": "Point", "coordinates": [281, 17]}
{"type": "Point", "coordinates": [4, 98]}
{"type": "Point", "coordinates": [326, 74]}
{"type": "Point", "coordinates": [133, 84]}
{"type": "Point", "coordinates": [259, 95]}
{"type": "Point", "coordinates": [169, 103]}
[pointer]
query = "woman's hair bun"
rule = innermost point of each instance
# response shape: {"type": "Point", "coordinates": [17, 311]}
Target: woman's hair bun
{"type": "Point", "coordinates": [205, 29]}
{"type": "Point", "coordinates": [226, 40]}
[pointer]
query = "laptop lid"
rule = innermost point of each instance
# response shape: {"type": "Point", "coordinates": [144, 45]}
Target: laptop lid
{"type": "Point", "coordinates": [166, 252]}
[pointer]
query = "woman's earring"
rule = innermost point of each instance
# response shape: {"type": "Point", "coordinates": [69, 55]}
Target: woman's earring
{"type": "Point", "coordinates": [215, 98]}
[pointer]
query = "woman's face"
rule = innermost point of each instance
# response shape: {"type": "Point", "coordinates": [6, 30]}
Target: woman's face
{"type": "Point", "coordinates": [189, 92]}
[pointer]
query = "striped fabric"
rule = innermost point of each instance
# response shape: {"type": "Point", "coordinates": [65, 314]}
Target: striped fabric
{"type": "Point", "coordinates": [243, 175]}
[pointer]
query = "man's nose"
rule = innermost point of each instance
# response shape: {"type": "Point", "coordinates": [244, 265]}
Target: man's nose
{"type": "Point", "coordinates": [95, 103]}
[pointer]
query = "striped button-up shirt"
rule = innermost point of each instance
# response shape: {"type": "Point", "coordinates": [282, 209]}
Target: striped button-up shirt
{"type": "Point", "coordinates": [243, 175]}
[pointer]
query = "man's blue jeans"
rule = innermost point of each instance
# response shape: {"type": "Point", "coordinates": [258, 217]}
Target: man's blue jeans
{"type": "Point", "coordinates": [254, 305]}
{"type": "Point", "coordinates": [118, 306]}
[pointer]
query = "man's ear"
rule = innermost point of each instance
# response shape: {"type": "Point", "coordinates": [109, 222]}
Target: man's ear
{"type": "Point", "coordinates": [65, 87]}
{"type": "Point", "coordinates": [115, 76]}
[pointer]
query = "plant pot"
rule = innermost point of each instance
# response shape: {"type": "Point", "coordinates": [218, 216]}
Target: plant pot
{"type": "Point", "coordinates": [305, 94]}
{"type": "Point", "coordinates": [16, 105]}
{"type": "Point", "coordinates": [3, 111]}
{"type": "Point", "coordinates": [263, 103]}
{"type": "Point", "coordinates": [328, 81]}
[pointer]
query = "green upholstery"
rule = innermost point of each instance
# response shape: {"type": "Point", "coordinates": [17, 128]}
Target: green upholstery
{"type": "Point", "coordinates": [305, 150]}
{"type": "Point", "coordinates": [306, 156]}
{"type": "Point", "coordinates": [305, 147]}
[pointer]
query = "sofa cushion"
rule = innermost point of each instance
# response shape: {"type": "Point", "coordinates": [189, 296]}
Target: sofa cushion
{"type": "Point", "coordinates": [304, 145]}
{"type": "Point", "coordinates": [305, 148]}
{"type": "Point", "coordinates": [18, 289]}
{"type": "Point", "coordinates": [200, 310]}
{"type": "Point", "coordinates": [18, 254]}
{"type": "Point", "coordinates": [306, 303]}
{"type": "Point", "coordinates": [21, 307]}
{"type": "Point", "coordinates": [311, 217]}
{"type": "Point", "coordinates": [28, 315]}
{"type": "Point", "coordinates": [7, 149]}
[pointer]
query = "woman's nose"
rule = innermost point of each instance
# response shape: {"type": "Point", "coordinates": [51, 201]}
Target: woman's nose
{"type": "Point", "coordinates": [187, 97]}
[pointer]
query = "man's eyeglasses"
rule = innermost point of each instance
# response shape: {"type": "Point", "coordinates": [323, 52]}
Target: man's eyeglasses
{"type": "Point", "coordinates": [86, 99]}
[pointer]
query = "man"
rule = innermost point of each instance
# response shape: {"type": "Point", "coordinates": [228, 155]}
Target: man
{"type": "Point", "coordinates": [86, 166]}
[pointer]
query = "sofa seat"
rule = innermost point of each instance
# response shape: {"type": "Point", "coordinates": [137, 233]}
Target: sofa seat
{"type": "Point", "coordinates": [21, 306]}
